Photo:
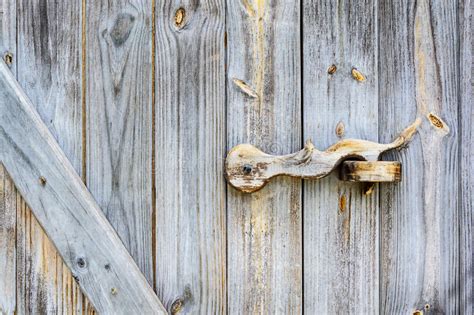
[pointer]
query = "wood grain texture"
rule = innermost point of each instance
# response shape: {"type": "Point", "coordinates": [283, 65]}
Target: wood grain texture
{"type": "Point", "coordinates": [190, 149]}
{"type": "Point", "coordinates": [7, 243]}
{"type": "Point", "coordinates": [49, 46]}
{"type": "Point", "coordinates": [248, 169]}
{"type": "Point", "coordinates": [8, 192]}
{"type": "Point", "coordinates": [370, 172]}
{"type": "Point", "coordinates": [341, 256]}
{"type": "Point", "coordinates": [119, 120]}
{"type": "Point", "coordinates": [264, 109]}
{"type": "Point", "coordinates": [466, 218]}
{"type": "Point", "coordinates": [65, 208]}
{"type": "Point", "coordinates": [419, 73]}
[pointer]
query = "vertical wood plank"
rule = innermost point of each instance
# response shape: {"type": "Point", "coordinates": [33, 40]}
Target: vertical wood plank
{"type": "Point", "coordinates": [340, 221]}
{"type": "Point", "coordinates": [264, 228]}
{"type": "Point", "coordinates": [118, 98]}
{"type": "Point", "coordinates": [7, 189]}
{"type": "Point", "coordinates": [48, 68]}
{"type": "Point", "coordinates": [190, 151]}
{"type": "Point", "coordinates": [466, 218]}
{"type": "Point", "coordinates": [7, 243]}
{"type": "Point", "coordinates": [419, 74]}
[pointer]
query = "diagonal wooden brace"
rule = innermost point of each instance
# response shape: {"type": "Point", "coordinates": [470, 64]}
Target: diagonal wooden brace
{"type": "Point", "coordinates": [248, 169]}
{"type": "Point", "coordinates": [67, 211]}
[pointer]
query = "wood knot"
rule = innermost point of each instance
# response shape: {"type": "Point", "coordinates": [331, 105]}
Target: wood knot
{"type": "Point", "coordinates": [357, 75]}
{"type": "Point", "coordinates": [42, 181]}
{"type": "Point", "coordinates": [179, 17]}
{"type": "Point", "coordinates": [340, 129]}
{"type": "Point", "coordinates": [332, 69]}
{"type": "Point", "coordinates": [244, 87]}
{"type": "Point", "coordinates": [342, 203]}
{"type": "Point", "coordinates": [177, 306]}
{"type": "Point", "coordinates": [114, 291]}
{"type": "Point", "coordinates": [8, 58]}
{"type": "Point", "coordinates": [122, 28]}
{"type": "Point", "coordinates": [435, 121]}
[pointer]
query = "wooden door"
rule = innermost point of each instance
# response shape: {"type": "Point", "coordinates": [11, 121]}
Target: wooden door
{"type": "Point", "coordinates": [145, 98]}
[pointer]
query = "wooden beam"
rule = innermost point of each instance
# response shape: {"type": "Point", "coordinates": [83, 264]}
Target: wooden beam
{"type": "Point", "coordinates": [62, 204]}
{"type": "Point", "coordinates": [264, 229]}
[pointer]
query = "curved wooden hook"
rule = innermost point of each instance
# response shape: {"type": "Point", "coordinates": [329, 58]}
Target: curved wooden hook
{"type": "Point", "coordinates": [248, 169]}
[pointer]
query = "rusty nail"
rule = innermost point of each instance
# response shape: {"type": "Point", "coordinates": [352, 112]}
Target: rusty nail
{"type": "Point", "coordinates": [81, 262]}
{"type": "Point", "coordinates": [42, 180]}
{"type": "Point", "coordinates": [247, 169]}
{"type": "Point", "coordinates": [114, 291]}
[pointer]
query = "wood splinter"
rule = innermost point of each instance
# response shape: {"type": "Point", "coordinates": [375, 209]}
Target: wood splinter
{"type": "Point", "coordinates": [248, 169]}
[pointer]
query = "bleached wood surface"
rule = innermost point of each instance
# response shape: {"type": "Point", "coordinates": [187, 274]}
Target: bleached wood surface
{"type": "Point", "coordinates": [119, 121]}
{"type": "Point", "coordinates": [264, 230]}
{"type": "Point", "coordinates": [8, 193]}
{"type": "Point", "coordinates": [65, 208]}
{"type": "Point", "coordinates": [340, 92]}
{"type": "Point", "coordinates": [48, 66]}
{"type": "Point", "coordinates": [420, 222]}
{"type": "Point", "coordinates": [189, 156]}
{"type": "Point", "coordinates": [270, 73]}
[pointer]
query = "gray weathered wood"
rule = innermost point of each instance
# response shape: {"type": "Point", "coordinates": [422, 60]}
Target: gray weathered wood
{"type": "Point", "coordinates": [61, 203]}
{"type": "Point", "coordinates": [264, 109]}
{"type": "Point", "coordinates": [119, 121]}
{"type": "Point", "coordinates": [8, 192]}
{"type": "Point", "coordinates": [466, 218]}
{"type": "Point", "coordinates": [419, 217]}
{"type": "Point", "coordinates": [249, 169]}
{"type": "Point", "coordinates": [189, 159]}
{"type": "Point", "coordinates": [49, 46]}
{"type": "Point", "coordinates": [7, 243]}
{"type": "Point", "coordinates": [341, 265]}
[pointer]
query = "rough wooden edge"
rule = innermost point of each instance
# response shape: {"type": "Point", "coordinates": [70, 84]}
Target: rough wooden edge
{"type": "Point", "coordinates": [62, 204]}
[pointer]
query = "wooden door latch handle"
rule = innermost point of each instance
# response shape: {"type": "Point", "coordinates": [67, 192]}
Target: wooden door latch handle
{"type": "Point", "coordinates": [248, 169]}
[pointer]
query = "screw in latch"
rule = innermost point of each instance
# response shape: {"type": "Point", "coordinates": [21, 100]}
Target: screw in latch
{"type": "Point", "coordinates": [247, 169]}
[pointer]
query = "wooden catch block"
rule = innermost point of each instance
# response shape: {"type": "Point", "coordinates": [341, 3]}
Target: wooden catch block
{"type": "Point", "coordinates": [363, 171]}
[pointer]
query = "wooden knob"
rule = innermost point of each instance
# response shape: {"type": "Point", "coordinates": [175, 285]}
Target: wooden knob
{"type": "Point", "coordinates": [363, 171]}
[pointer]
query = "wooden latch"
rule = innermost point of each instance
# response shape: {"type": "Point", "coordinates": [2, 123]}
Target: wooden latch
{"type": "Point", "coordinates": [248, 169]}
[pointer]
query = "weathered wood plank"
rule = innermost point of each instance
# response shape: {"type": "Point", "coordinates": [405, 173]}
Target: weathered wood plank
{"type": "Point", "coordinates": [119, 120]}
{"type": "Point", "coordinates": [340, 221]}
{"type": "Point", "coordinates": [466, 218]}
{"type": "Point", "coordinates": [7, 188]}
{"type": "Point", "coordinates": [7, 243]}
{"type": "Point", "coordinates": [264, 109]}
{"type": "Point", "coordinates": [419, 217]}
{"type": "Point", "coordinates": [49, 45]}
{"type": "Point", "coordinates": [190, 150]}
{"type": "Point", "coordinates": [87, 242]}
